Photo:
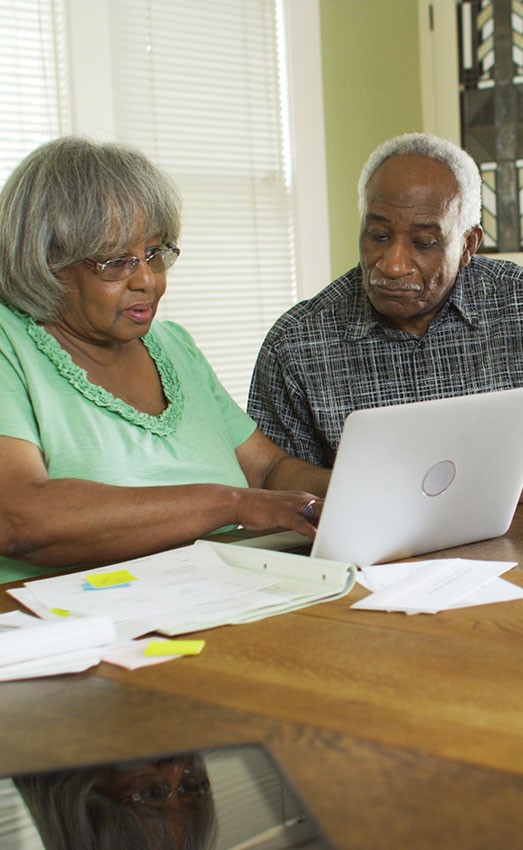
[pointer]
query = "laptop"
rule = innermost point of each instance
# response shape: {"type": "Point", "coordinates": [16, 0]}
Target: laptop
{"type": "Point", "coordinates": [414, 478]}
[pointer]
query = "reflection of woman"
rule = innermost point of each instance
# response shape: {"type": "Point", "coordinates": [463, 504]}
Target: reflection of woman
{"type": "Point", "coordinates": [117, 440]}
{"type": "Point", "coordinates": [148, 805]}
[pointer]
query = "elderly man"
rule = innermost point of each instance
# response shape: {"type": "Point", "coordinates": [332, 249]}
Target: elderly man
{"type": "Point", "coordinates": [421, 317]}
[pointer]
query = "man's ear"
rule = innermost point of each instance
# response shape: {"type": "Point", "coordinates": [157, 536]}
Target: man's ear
{"type": "Point", "coordinates": [472, 241]}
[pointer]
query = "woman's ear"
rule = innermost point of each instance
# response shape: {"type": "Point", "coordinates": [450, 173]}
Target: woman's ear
{"type": "Point", "coordinates": [472, 241]}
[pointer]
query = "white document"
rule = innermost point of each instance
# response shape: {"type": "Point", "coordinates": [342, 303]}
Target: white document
{"type": "Point", "coordinates": [181, 577]}
{"type": "Point", "coordinates": [131, 655]}
{"type": "Point", "coordinates": [196, 587]}
{"type": "Point", "coordinates": [171, 584]}
{"type": "Point", "coordinates": [26, 597]}
{"type": "Point", "coordinates": [431, 586]}
{"type": "Point", "coordinates": [69, 662]}
{"type": "Point", "coordinates": [497, 590]}
{"type": "Point", "coordinates": [380, 576]}
{"type": "Point", "coordinates": [296, 582]}
{"type": "Point", "coordinates": [48, 639]}
{"type": "Point", "coordinates": [30, 649]}
{"type": "Point", "coordinates": [17, 620]}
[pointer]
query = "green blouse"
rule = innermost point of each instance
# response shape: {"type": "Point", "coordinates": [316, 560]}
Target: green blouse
{"type": "Point", "coordinates": [85, 432]}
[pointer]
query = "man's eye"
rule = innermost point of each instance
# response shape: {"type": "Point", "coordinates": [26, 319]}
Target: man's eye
{"type": "Point", "coordinates": [377, 235]}
{"type": "Point", "coordinates": [424, 245]}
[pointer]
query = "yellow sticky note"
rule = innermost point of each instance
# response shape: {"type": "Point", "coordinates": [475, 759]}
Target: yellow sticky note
{"type": "Point", "coordinates": [174, 647]}
{"type": "Point", "coordinates": [110, 579]}
{"type": "Point", "coordinates": [60, 612]}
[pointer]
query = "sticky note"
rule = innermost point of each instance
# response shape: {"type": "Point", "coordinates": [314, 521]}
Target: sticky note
{"type": "Point", "coordinates": [174, 647]}
{"type": "Point", "coordinates": [116, 579]}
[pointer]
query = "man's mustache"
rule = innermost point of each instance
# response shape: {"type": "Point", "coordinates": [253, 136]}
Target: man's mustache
{"type": "Point", "coordinates": [394, 285]}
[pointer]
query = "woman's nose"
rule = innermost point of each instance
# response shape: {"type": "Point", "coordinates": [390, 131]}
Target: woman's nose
{"type": "Point", "coordinates": [143, 277]}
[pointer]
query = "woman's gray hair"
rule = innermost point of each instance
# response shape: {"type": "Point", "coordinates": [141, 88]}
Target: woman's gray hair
{"type": "Point", "coordinates": [70, 813]}
{"type": "Point", "coordinates": [459, 162]}
{"type": "Point", "coordinates": [70, 199]}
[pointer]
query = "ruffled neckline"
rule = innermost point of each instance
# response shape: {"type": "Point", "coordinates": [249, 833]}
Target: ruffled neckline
{"type": "Point", "coordinates": [165, 423]}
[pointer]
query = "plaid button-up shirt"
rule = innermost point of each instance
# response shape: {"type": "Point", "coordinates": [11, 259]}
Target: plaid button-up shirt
{"type": "Point", "coordinates": [332, 354]}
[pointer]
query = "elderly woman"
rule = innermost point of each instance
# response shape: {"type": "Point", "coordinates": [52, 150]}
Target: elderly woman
{"type": "Point", "coordinates": [116, 438]}
{"type": "Point", "coordinates": [164, 804]}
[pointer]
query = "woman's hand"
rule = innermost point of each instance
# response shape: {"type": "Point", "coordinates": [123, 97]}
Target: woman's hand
{"type": "Point", "coordinates": [57, 523]}
{"type": "Point", "coordinates": [262, 510]}
{"type": "Point", "coordinates": [66, 522]}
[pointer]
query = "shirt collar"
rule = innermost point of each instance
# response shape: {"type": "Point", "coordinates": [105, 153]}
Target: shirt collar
{"type": "Point", "coordinates": [363, 319]}
{"type": "Point", "coordinates": [463, 298]}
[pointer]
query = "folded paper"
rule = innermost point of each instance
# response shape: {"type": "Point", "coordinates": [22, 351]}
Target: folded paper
{"type": "Point", "coordinates": [436, 585]}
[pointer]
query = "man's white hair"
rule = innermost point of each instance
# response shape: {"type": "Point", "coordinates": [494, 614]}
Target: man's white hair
{"type": "Point", "coordinates": [459, 162]}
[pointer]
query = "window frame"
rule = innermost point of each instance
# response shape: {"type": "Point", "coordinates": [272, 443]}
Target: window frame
{"type": "Point", "coordinates": [439, 77]}
{"type": "Point", "coordinates": [92, 115]}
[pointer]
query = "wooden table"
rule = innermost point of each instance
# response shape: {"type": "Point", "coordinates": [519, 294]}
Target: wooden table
{"type": "Point", "coordinates": [399, 731]}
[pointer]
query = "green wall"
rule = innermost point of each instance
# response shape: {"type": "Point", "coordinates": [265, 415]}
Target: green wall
{"type": "Point", "coordinates": [371, 85]}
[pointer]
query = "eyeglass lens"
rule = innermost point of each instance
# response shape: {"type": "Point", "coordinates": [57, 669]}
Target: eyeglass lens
{"type": "Point", "coordinates": [153, 790]}
{"type": "Point", "coordinates": [158, 260]}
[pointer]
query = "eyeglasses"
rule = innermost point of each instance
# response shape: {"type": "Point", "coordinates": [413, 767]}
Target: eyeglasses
{"type": "Point", "coordinates": [153, 790]}
{"type": "Point", "coordinates": [158, 260]}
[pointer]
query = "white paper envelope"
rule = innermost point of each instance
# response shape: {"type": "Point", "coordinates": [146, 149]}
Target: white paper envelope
{"type": "Point", "coordinates": [435, 586]}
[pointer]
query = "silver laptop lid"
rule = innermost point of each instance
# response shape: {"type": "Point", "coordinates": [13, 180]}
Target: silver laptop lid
{"type": "Point", "coordinates": [415, 478]}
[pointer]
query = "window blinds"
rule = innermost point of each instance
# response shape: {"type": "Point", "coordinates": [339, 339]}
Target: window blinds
{"type": "Point", "coordinates": [33, 86]}
{"type": "Point", "coordinates": [200, 88]}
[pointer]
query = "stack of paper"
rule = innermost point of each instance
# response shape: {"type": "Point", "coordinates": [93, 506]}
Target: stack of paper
{"type": "Point", "coordinates": [96, 615]}
{"type": "Point", "coordinates": [432, 586]}
{"type": "Point", "coordinates": [30, 647]}
{"type": "Point", "coordinates": [42, 649]}
{"type": "Point", "coordinates": [189, 589]}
